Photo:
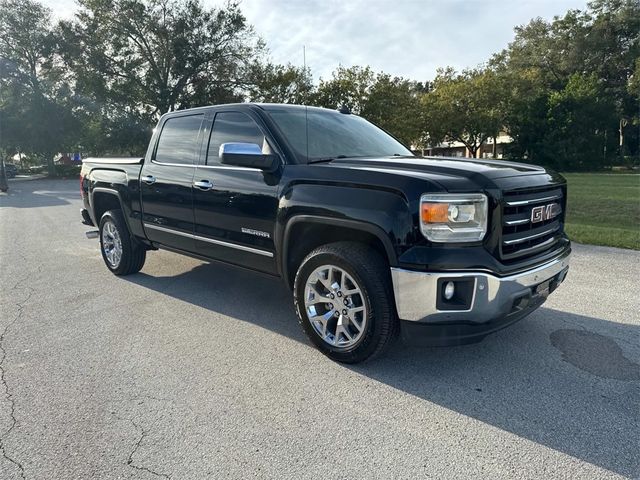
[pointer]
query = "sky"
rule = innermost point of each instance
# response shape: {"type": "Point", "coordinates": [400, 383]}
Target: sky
{"type": "Point", "coordinates": [409, 38]}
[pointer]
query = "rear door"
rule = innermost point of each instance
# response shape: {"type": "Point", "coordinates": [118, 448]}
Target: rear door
{"type": "Point", "coordinates": [166, 182]}
{"type": "Point", "coordinates": [235, 207]}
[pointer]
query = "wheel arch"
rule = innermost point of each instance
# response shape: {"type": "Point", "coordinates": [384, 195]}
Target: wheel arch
{"type": "Point", "coordinates": [314, 231]}
{"type": "Point", "coordinates": [105, 199]}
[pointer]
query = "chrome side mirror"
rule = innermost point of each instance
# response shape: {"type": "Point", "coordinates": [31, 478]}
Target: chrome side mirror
{"type": "Point", "coordinates": [247, 155]}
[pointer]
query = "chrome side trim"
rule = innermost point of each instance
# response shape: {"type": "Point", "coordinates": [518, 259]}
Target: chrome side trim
{"type": "Point", "coordinates": [416, 292]}
{"type": "Point", "coordinates": [530, 237]}
{"type": "Point", "coordinates": [167, 230]}
{"type": "Point", "coordinates": [234, 245]}
{"type": "Point", "coordinates": [533, 200]}
{"type": "Point", "coordinates": [210, 240]}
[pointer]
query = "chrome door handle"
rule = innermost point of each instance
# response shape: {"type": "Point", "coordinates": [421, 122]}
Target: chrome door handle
{"type": "Point", "coordinates": [149, 179]}
{"type": "Point", "coordinates": [203, 185]}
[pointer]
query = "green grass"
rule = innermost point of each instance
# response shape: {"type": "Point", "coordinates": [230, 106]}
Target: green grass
{"type": "Point", "coordinates": [604, 209]}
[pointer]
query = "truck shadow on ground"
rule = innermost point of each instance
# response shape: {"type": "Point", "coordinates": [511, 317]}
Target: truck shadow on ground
{"type": "Point", "coordinates": [555, 378]}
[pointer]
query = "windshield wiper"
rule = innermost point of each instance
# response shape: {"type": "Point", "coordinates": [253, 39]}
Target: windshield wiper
{"type": "Point", "coordinates": [326, 159]}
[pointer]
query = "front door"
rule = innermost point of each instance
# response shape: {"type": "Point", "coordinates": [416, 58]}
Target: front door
{"type": "Point", "coordinates": [166, 183]}
{"type": "Point", "coordinates": [235, 207]}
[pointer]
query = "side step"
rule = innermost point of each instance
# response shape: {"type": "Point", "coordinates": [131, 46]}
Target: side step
{"type": "Point", "coordinates": [92, 234]}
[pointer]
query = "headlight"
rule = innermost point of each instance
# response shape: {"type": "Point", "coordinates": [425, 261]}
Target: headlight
{"type": "Point", "coordinates": [453, 217]}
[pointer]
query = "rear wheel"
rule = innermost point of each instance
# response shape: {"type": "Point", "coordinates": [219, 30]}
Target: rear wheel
{"type": "Point", "coordinates": [122, 254]}
{"type": "Point", "coordinates": [344, 301]}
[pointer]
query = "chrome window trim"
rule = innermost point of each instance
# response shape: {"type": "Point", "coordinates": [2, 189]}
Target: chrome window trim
{"type": "Point", "coordinates": [221, 167]}
{"type": "Point", "coordinates": [229, 167]}
{"type": "Point", "coordinates": [209, 240]}
{"type": "Point", "coordinates": [193, 165]}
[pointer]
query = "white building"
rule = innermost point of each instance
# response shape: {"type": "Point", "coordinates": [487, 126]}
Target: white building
{"type": "Point", "coordinates": [458, 149]}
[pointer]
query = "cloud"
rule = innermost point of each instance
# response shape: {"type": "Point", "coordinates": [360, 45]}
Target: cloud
{"type": "Point", "coordinates": [401, 37]}
{"type": "Point", "coordinates": [410, 38]}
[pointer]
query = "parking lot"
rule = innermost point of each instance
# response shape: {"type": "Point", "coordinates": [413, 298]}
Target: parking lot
{"type": "Point", "coordinates": [191, 370]}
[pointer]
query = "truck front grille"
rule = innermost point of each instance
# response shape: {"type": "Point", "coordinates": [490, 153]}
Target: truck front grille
{"type": "Point", "coordinates": [532, 221]}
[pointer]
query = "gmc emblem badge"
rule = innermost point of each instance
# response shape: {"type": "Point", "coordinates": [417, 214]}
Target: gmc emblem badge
{"type": "Point", "coordinates": [544, 212]}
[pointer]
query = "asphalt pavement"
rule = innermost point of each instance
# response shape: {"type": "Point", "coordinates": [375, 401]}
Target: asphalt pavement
{"type": "Point", "coordinates": [191, 370]}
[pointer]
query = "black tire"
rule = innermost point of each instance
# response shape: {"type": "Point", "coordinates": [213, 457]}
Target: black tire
{"type": "Point", "coordinates": [133, 253]}
{"type": "Point", "coordinates": [371, 273]}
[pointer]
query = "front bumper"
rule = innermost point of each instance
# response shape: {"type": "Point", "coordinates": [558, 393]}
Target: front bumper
{"type": "Point", "coordinates": [493, 302]}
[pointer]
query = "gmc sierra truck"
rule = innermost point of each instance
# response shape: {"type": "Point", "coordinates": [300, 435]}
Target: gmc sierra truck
{"type": "Point", "coordinates": [371, 239]}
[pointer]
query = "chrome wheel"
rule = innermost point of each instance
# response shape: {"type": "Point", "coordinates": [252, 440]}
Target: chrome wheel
{"type": "Point", "coordinates": [111, 244]}
{"type": "Point", "coordinates": [335, 306]}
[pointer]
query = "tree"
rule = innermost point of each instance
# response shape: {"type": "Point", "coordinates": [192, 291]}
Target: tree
{"type": "Point", "coordinates": [35, 98]}
{"type": "Point", "coordinates": [390, 102]}
{"type": "Point", "coordinates": [393, 104]}
{"type": "Point", "coordinates": [578, 117]}
{"type": "Point", "coordinates": [463, 107]}
{"type": "Point", "coordinates": [159, 55]}
{"type": "Point", "coordinates": [280, 84]}
{"type": "Point", "coordinates": [601, 43]}
{"type": "Point", "coordinates": [350, 87]}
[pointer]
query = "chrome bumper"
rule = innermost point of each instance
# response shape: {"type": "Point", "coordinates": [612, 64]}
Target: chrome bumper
{"type": "Point", "coordinates": [493, 297]}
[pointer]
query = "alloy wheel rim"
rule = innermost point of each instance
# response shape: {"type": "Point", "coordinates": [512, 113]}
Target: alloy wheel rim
{"type": "Point", "coordinates": [111, 244]}
{"type": "Point", "coordinates": [335, 306]}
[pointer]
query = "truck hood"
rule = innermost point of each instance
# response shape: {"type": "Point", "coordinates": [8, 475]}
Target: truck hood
{"type": "Point", "coordinates": [436, 167]}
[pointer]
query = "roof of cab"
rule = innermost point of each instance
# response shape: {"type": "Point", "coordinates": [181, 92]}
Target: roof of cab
{"type": "Point", "coordinates": [263, 106]}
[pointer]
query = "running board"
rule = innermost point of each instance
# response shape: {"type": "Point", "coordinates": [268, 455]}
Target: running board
{"type": "Point", "coordinates": [92, 234]}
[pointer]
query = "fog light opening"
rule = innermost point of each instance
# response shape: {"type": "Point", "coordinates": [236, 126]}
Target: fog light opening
{"type": "Point", "coordinates": [449, 290]}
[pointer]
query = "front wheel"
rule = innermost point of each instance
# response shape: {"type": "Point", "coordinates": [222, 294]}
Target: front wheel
{"type": "Point", "coordinates": [120, 252]}
{"type": "Point", "coordinates": [344, 301]}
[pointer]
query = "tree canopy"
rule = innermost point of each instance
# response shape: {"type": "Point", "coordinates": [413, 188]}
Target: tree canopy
{"type": "Point", "coordinates": [463, 107]}
{"type": "Point", "coordinates": [567, 90]}
{"type": "Point", "coordinates": [35, 112]}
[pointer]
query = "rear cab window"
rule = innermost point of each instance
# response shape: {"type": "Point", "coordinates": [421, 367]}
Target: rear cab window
{"type": "Point", "coordinates": [178, 141]}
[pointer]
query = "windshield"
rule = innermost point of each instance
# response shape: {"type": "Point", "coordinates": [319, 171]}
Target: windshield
{"type": "Point", "coordinates": [332, 135]}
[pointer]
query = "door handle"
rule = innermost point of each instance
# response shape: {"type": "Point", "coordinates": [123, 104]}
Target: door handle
{"type": "Point", "coordinates": [203, 185]}
{"type": "Point", "coordinates": [149, 179]}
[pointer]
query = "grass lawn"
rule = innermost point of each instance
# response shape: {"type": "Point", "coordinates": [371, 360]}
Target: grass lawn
{"type": "Point", "coordinates": [604, 209]}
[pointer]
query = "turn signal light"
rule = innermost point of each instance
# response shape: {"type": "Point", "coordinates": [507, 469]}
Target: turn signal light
{"type": "Point", "coordinates": [435, 212]}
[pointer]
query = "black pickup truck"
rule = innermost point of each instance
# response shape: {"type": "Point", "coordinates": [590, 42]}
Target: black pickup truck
{"type": "Point", "coordinates": [371, 239]}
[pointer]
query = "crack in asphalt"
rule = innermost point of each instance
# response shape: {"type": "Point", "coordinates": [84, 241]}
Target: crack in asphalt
{"type": "Point", "coordinates": [7, 391]}
{"type": "Point", "coordinates": [143, 433]}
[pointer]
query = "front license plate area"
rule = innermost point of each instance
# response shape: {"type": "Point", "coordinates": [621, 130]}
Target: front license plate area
{"type": "Point", "coordinates": [544, 288]}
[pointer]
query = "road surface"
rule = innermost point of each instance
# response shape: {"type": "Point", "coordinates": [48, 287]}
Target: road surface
{"type": "Point", "coordinates": [189, 370]}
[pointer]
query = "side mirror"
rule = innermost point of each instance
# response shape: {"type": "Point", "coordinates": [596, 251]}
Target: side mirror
{"type": "Point", "coordinates": [247, 155]}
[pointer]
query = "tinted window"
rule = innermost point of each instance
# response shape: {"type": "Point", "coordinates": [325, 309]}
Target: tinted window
{"type": "Point", "coordinates": [233, 127]}
{"type": "Point", "coordinates": [178, 141]}
{"type": "Point", "coordinates": [328, 134]}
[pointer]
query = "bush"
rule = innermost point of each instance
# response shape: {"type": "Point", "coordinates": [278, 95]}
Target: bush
{"type": "Point", "coordinates": [67, 170]}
